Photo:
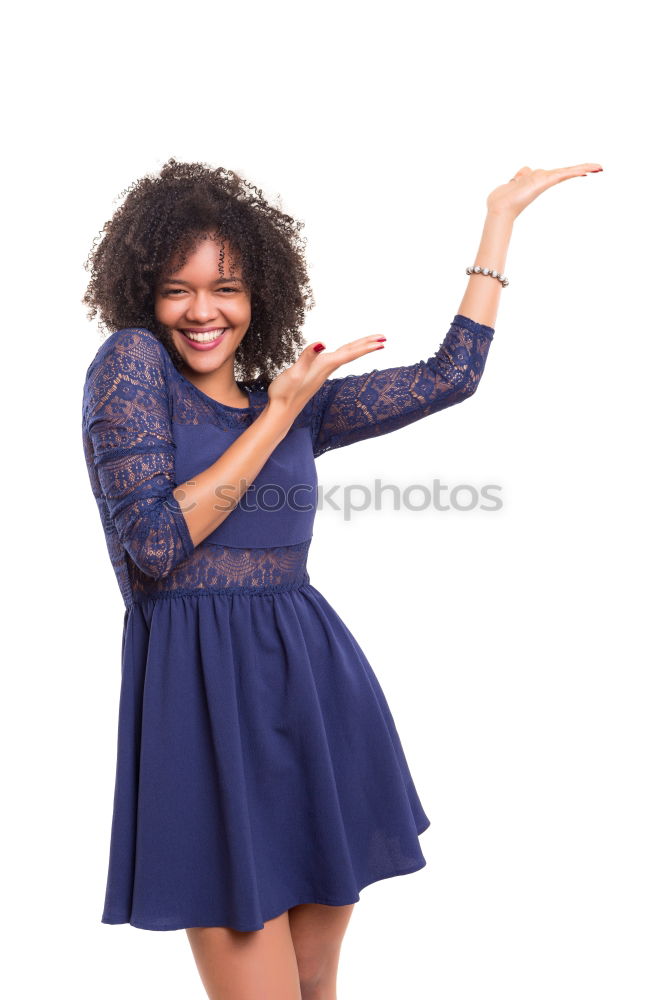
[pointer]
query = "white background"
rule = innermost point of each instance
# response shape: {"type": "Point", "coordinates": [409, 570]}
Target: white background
{"type": "Point", "coordinates": [521, 650]}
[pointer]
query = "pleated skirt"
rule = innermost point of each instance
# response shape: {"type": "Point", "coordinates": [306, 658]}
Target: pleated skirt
{"type": "Point", "coordinates": [258, 764]}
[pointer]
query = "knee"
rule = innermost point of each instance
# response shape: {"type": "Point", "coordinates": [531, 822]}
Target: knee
{"type": "Point", "coordinates": [313, 990]}
{"type": "Point", "coordinates": [315, 980]}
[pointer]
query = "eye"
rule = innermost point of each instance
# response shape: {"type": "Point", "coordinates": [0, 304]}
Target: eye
{"type": "Point", "coordinates": [175, 291]}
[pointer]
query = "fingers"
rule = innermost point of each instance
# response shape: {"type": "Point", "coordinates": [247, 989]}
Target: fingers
{"type": "Point", "coordinates": [560, 173]}
{"type": "Point", "coordinates": [357, 348]}
{"type": "Point", "coordinates": [579, 170]}
{"type": "Point", "coordinates": [346, 353]}
{"type": "Point", "coordinates": [312, 350]}
{"type": "Point", "coordinates": [588, 167]}
{"type": "Point", "coordinates": [537, 181]}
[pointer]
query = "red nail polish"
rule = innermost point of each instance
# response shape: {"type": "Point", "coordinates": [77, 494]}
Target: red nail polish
{"type": "Point", "coordinates": [381, 338]}
{"type": "Point", "coordinates": [318, 347]}
{"type": "Point", "coordinates": [596, 171]}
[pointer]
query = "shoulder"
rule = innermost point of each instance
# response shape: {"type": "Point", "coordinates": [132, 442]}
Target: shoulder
{"type": "Point", "coordinates": [133, 344]}
{"type": "Point", "coordinates": [133, 356]}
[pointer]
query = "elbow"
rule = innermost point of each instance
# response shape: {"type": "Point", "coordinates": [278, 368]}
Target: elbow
{"type": "Point", "coordinates": [155, 546]}
{"type": "Point", "coordinates": [155, 564]}
{"type": "Point", "coordinates": [456, 382]}
{"type": "Point", "coordinates": [471, 386]}
{"type": "Point", "coordinates": [154, 569]}
{"type": "Point", "coordinates": [472, 378]}
{"type": "Point", "coordinates": [466, 388]}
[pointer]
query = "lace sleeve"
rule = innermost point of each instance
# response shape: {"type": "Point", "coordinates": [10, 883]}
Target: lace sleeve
{"type": "Point", "coordinates": [126, 413]}
{"type": "Point", "coordinates": [355, 407]}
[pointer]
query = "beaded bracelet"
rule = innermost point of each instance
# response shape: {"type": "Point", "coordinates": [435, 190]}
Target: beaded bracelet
{"type": "Point", "coordinates": [491, 274]}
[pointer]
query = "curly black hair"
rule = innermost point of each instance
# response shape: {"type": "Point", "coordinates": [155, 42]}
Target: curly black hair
{"type": "Point", "coordinates": [162, 218]}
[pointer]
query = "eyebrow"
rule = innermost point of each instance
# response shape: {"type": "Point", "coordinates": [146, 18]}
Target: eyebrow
{"type": "Point", "coordinates": [217, 281]}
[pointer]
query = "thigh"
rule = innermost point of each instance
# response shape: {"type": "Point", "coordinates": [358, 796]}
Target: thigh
{"type": "Point", "coordinates": [317, 932]}
{"type": "Point", "coordinates": [244, 965]}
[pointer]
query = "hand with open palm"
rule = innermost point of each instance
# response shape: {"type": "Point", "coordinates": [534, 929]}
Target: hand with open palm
{"type": "Point", "coordinates": [298, 383]}
{"type": "Point", "coordinates": [526, 185]}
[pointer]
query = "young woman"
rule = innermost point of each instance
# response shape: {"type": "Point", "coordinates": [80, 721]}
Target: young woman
{"type": "Point", "coordinates": [260, 781]}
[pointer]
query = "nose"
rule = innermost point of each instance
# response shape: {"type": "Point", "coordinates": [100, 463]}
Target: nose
{"type": "Point", "coordinates": [202, 308]}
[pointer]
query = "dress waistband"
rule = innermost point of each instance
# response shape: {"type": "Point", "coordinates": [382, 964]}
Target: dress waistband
{"type": "Point", "coordinates": [225, 570]}
{"type": "Point", "coordinates": [261, 589]}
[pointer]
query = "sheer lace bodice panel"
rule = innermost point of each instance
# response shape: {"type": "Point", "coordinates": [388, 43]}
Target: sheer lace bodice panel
{"type": "Point", "coordinates": [227, 569]}
{"type": "Point", "coordinates": [137, 406]}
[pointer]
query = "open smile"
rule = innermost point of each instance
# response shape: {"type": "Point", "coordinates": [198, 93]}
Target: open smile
{"type": "Point", "coordinates": [204, 338]}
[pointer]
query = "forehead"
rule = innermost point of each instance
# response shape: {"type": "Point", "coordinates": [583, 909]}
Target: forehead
{"type": "Point", "coordinates": [207, 253]}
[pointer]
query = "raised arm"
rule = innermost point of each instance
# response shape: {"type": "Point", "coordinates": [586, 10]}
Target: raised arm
{"type": "Point", "coordinates": [355, 407]}
{"type": "Point", "coordinates": [351, 409]}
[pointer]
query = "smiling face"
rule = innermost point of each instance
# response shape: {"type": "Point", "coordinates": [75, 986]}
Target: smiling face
{"type": "Point", "coordinates": [208, 313]}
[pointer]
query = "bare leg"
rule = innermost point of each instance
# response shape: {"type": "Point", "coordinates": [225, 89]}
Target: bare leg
{"type": "Point", "coordinates": [317, 932]}
{"type": "Point", "coordinates": [247, 965]}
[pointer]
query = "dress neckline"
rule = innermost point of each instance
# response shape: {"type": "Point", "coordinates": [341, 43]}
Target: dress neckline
{"type": "Point", "coordinates": [200, 392]}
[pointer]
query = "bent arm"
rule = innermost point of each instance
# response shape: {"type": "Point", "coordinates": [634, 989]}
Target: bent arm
{"type": "Point", "coordinates": [209, 498]}
{"type": "Point", "coordinates": [357, 407]}
{"type": "Point", "coordinates": [130, 452]}
{"type": "Point", "coordinates": [351, 409]}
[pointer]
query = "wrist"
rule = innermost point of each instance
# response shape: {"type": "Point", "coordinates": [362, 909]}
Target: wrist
{"type": "Point", "coordinates": [279, 414]}
{"type": "Point", "coordinates": [500, 217]}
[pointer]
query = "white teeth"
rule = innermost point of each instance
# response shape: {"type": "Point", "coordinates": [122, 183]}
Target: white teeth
{"type": "Point", "coordinates": [203, 338]}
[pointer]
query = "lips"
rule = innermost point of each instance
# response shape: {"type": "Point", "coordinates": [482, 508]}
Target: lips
{"type": "Point", "coordinates": [204, 345]}
{"type": "Point", "coordinates": [203, 329]}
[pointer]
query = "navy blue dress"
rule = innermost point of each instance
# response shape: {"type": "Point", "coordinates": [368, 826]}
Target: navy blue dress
{"type": "Point", "coordinates": [258, 763]}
